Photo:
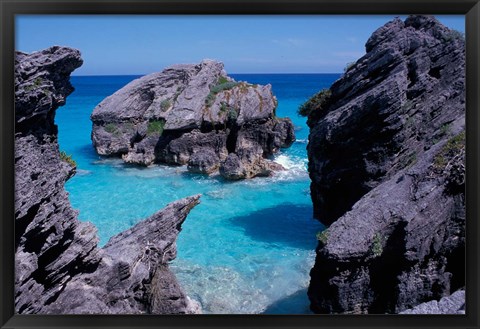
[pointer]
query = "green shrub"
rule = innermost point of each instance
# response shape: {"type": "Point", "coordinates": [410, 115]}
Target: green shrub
{"type": "Point", "coordinates": [111, 128]}
{"type": "Point", "coordinates": [444, 129]}
{"type": "Point", "coordinates": [232, 114]}
{"type": "Point", "coordinates": [37, 82]}
{"type": "Point", "coordinates": [453, 147]}
{"type": "Point", "coordinates": [323, 236]}
{"type": "Point", "coordinates": [165, 105]}
{"type": "Point", "coordinates": [377, 247]}
{"type": "Point", "coordinates": [155, 127]}
{"type": "Point", "coordinates": [317, 102]}
{"type": "Point", "coordinates": [223, 107]}
{"type": "Point", "coordinates": [222, 80]}
{"type": "Point", "coordinates": [222, 84]}
{"type": "Point", "coordinates": [67, 158]}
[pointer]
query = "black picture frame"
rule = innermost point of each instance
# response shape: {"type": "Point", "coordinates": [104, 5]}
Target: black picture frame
{"type": "Point", "coordinates": [10, 8]}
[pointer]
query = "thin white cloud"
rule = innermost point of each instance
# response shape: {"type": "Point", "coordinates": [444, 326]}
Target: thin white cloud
{"type": "Point", "coordinates": [352, 40]}
{"type": "Point", "coordinates": [290, 42]}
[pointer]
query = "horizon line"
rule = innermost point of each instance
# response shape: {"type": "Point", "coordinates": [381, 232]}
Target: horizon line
{"type": "Point", "coordinates": [143, 74]}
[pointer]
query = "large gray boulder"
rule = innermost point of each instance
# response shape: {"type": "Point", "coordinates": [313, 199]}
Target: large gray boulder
{"type": "Point", "coordinates": [58, 266]}
{"type": "Point", "coordinates": [386, 159]}
{"type": "Point", "coordinates": [169, 116]}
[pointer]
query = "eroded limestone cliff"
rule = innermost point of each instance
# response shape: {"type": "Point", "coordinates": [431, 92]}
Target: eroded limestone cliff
{"type": "Point", "coordinates": [195, 115]}
{"type": "Point", "coordinates": [386, 159]}
{"type": "Point", "coordinates": [59, 268]}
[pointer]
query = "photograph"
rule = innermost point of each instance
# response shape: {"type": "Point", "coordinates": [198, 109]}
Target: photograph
{"type": "Point", "coordinates": [240, 164]}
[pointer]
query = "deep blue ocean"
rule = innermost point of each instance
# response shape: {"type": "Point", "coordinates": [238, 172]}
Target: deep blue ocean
{"type": "Point", "coordinates": [249, 246]}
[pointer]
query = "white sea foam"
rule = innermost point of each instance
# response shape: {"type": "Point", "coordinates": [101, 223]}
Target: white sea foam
{"type": "Point", "coordinates": [289, 163]}
{"type": "Point", "coordinates": [296, 167]}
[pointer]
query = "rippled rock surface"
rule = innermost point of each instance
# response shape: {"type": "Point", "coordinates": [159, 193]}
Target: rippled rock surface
{"type": "Point", "coordinates": [386, 159]}
{"type": "Point", "coordinates": [59, 268]}
{"type": "Point", "coordinates": [193, 115]}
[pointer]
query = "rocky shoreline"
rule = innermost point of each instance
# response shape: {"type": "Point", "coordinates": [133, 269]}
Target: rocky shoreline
{"type": "Point", "coordinates": [59, 268]}
{"type": "Point", "coordinates": [387, 163]}
{"type": "Point", "coordinates": [195, 115]}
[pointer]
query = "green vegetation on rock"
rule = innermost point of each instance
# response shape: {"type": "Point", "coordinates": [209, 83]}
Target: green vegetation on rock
{"type": "Point", "coordinates": [377, 247]}
{"type": "Point", "coordinates": [36, 83]}
{"type": "Point", "coordinates": [444, 129]}
{"type": "Point", "coordinates": [165, 105]}
{"type": "Point", "coordinates": [222, 84]}
{"type": "Point", "coordinates": [323, 236]}
{"type": "Point", "coordinates": [67, 158]}
{"type": "Point", "coordinates": [111, 128]}
{"type": "Point", "coordinates": [232, 114]}
{"type": "Point", "coordinates": [316, 103]}
{"type": "Point", "coordinates": [454, 146]}
{"type": "Point", "coordinates": [222, 80]}
{"type": "Point", "coordinates": [155, 127]}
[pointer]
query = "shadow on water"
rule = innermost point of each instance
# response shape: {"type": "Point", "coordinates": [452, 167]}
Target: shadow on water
{"type": "Point", "coordinates": [289, 224]}
{"type": "Point", "coordinates": [296, 303]}
{"type": "Point", "coordinates": [88, 152]}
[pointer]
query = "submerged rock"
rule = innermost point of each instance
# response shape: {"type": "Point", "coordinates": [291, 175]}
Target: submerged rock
{"type": "Point", "coordinates": [58, 266]}
{"type": "Point", "coordinates": [186, 112]}
{"type": "Point", "coordinates": [386, 159]}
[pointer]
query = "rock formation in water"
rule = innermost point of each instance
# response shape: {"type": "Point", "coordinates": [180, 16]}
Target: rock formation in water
{"type": "Point", "coordinates": [193, 115]}
{"type": "Point", "coordinates": [59, 268]}
{"type": "Point", "coordinates": [386, 159]}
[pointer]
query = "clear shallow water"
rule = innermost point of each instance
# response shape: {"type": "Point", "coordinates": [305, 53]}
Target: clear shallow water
{"type": "Point", "coordinates": [249, 246]}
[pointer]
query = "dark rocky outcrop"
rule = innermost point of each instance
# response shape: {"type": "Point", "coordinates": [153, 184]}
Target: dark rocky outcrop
{"type": "Point", "coordinates": [453, 304]}
{"type": "Point", "coordinates": [193, 115]}
{"type": "Point", "coordinates": [59, 268]}
{"type": "Point", "coordinates": [386, 159]}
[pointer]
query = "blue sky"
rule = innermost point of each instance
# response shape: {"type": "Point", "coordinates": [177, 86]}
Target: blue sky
{"type": "Point", "coordinates": [121, 45]}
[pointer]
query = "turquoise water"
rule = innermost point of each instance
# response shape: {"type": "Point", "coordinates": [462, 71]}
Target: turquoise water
{"type": "Point", "coordinates": [249, 246]}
